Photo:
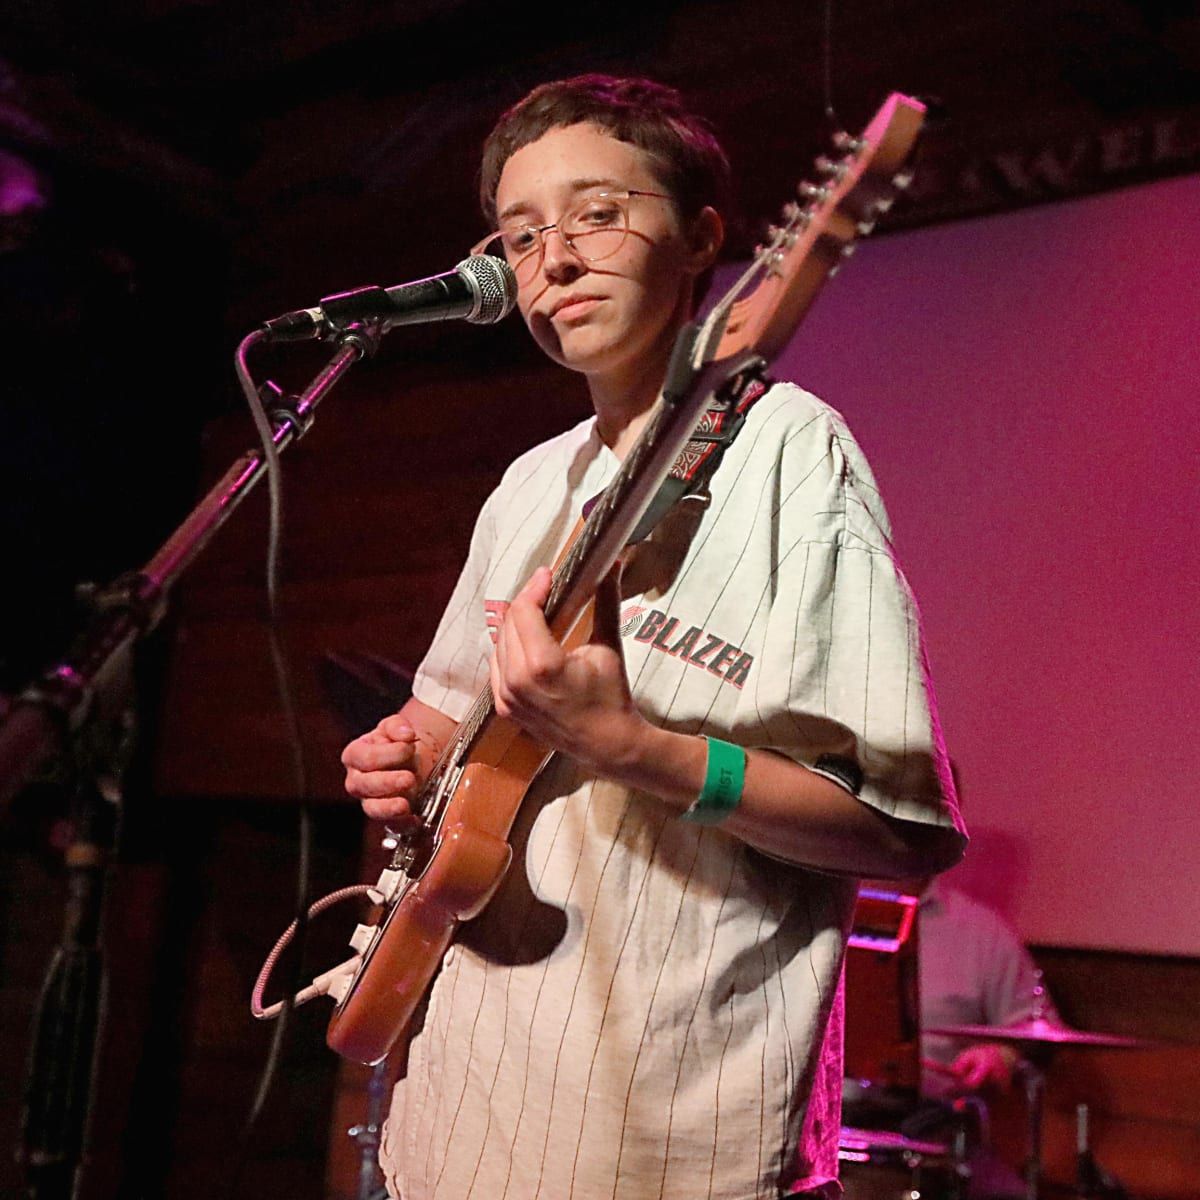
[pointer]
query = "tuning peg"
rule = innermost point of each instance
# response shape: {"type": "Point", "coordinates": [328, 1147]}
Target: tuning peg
{"type": "Point", "coordinates": [901, 180]}
{"type": "Point", "coordinates": [864, 227]}
{"type": "Point", "coordinates": [770, 258]}
{"type": "Point", "coordinates": [846, 143]}
{"type": "Point", "coordinates": [848, 249]}
{"type": "Point", "coordinates": [883, 204]}
{"type": "Point", "coordinates": [814, 192]}
{"type": "Point", "coordinates": [827, 166]}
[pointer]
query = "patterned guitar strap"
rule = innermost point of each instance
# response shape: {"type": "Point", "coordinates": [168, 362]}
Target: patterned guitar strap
{"type": "Point", "coordinates": [689, 476]}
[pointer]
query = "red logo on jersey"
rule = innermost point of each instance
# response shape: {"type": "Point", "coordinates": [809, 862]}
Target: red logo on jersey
{"type": "Point", "coordinates": [697, 647]}
{"type": "Point", "coordinates": [630, 618]}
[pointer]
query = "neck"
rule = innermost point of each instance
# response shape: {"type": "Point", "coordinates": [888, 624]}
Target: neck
{"type": "Point", "coordinates": [623, 407]}
{"type": "Point", "coordinates": [623, 399]}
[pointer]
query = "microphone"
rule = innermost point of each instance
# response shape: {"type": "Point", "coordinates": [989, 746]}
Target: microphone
{"type": "Point", "coordinates": [482, 289]}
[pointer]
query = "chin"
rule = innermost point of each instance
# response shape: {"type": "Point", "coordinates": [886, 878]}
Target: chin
{"type": "Point", "coordinates": [587, 352]}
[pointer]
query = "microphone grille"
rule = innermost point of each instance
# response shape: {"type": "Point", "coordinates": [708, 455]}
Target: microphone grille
{"type": "Point", "coordinates": [494, 284]}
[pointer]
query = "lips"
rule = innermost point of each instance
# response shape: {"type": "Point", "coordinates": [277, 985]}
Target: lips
{"type": "Point", "coordinates": [569, 302]}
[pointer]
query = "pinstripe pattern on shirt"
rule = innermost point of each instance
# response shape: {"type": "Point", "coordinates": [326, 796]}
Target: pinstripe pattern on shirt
{"type": "Point", "coordinates": [641, 1011]}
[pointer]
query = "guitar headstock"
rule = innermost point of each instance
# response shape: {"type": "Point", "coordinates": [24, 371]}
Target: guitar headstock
{"type": "Point", "coordinates": [856, 185]}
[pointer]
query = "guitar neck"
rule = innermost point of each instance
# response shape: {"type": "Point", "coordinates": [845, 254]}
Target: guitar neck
{"type": "Point", "coordinates": [615, 516]}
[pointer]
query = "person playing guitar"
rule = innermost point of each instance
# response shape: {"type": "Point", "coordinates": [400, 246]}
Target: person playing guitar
{"type": "Point", "coordinates": [649, 1006]}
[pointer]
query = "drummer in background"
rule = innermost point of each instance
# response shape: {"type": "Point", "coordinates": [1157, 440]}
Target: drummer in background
{"type": "Point", "coordinates": [972, 970]}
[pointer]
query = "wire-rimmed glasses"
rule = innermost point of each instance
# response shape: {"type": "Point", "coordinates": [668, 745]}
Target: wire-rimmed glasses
{"type": "Point", "coordinates": [593, 230]}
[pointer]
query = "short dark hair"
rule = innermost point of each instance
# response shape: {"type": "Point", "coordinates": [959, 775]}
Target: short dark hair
{"type": "Point", "coordinates": [651, 116]}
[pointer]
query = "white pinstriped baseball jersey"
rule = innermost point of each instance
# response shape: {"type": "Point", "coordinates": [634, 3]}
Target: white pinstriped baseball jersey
{"type": "Point", "coordinates": [649, 1008]}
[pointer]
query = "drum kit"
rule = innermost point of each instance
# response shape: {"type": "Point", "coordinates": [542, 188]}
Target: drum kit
{"type": "Point", "coordinates": [882, 1165]}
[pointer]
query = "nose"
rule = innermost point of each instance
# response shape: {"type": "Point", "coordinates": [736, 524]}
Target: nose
{"type": "Point", "coordinates": [560, 264]}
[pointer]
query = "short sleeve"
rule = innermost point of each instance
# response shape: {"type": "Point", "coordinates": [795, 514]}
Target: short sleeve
{"type": "Point", "coordinates": [522, 525]}
{"type": "Point", "coordinates": [1011, 977]}
{"type": "Point", "coordinates": [455, 667]}
{"type": "Point", "coordinates": [844, 687]}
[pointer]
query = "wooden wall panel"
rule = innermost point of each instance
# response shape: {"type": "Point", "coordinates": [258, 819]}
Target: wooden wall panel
{"type": "Point", "coordinates": [1144, 1103]}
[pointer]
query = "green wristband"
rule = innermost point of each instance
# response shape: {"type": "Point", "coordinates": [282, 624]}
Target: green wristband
{"type": "Point", "coordinates": [724, 778]}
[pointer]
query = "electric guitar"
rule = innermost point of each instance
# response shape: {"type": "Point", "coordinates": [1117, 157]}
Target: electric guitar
{"type": "Point", "coordinates": [449, 867]}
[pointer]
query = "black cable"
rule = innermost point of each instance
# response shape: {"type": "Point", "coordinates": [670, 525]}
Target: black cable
{"type": "Point", "coordinates": [283, 683]}
{"type": "Point", "coordinates": [827, 66]}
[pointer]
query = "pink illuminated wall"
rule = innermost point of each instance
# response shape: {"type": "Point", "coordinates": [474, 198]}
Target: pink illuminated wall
{"type": "Point", "coordinates": [1027, 388]}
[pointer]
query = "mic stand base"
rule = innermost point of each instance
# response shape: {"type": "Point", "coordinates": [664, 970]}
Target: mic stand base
{"type": "Point", "coordinates": [71, 1007]}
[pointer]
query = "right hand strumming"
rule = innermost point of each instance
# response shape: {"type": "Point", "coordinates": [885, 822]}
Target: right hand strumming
{"type": "Point", "coordinates": [381, 771]}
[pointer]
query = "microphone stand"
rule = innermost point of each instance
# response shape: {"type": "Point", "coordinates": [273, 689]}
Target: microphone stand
{"type": "Point", "coordinates": [72, 712]}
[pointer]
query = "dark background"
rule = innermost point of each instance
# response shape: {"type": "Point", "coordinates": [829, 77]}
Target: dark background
{"type": "Point", "coordinates": [170, 174]}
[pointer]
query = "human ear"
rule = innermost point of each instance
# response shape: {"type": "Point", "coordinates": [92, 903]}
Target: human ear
{"type": "Point", "coordinates": [705, 239]}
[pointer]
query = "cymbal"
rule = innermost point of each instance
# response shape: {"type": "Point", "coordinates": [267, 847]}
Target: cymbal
{"type": "Point", "coordinates": [1038, 1029]}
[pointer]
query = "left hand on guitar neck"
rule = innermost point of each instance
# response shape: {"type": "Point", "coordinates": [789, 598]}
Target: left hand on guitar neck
{"type": "Point", "coordinates": [576, 701]}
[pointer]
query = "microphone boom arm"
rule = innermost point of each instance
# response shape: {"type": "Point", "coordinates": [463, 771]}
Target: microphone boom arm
{"type": "Point", "coordinates": [42, 718]}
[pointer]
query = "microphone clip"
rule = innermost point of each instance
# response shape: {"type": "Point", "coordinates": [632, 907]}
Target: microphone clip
{"type": "Point", "coordinates": [334, 316]}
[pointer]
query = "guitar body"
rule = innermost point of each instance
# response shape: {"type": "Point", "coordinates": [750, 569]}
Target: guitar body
{"type": "Point", "coordinates": [463, 871]}
{"type": "Point", "coordinates": [461, 876]}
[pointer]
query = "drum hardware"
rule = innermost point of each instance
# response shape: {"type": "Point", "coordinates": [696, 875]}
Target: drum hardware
{"type": "Point", "coordinates": [1038, 1029]}
{"type": "Point", "coordinates": [1092, 1181]}
{"type": "Point", "coordinates": [1034, 1078]}
{"type": "Point", "coordinates": [1044, 1033]}
{"type": "Point", "coordinates": [885, 1164]}
{"type": "Point", "coordinates": [962, 1163]}
{"type": "Point", "coordinates": [1034, 1031]}
{"type": "Point", "coordinates": [366, 1136]}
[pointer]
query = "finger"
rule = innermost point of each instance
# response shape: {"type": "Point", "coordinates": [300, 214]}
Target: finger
{"type": "Point", "coordinates": [389, 731]}
{"type": "Point", "coordinates": [378, 785]}
{"type": "Point", "coordinates": [961, 1066]}
{"type": "Point", "coordinates": [395, 810]}
{"type": "Point", "coordinates": [974, 1066]}
{"type": "Point", "coordinates": [977, 1076]}
{"type": "Point", "coordinates": [396, 728]}
{"type": "Point", "coordinates": [529, 603]}
{"type": "Point", "coordinates": [531, 653]}
{"type": "Point", "coordinates": [606, 618]}
{"type": "Point", "coordinates": [364, 755]}
{"type": "Point", "coordinates": [537, 588]}
{"type": "Point", "coordinates": [501, 699]}
{"type": "Point", "coordinates": [506, 648]}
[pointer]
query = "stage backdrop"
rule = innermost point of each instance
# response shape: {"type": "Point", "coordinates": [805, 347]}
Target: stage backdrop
{"type": "Point", "coordinates": [1027, 388]}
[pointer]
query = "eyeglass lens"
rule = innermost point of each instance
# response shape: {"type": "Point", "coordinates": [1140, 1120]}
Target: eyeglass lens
{"type": "Point", "coordinates": [594, 231]}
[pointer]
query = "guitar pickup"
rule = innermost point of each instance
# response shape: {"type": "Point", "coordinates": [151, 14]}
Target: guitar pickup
{"type": "Point", "coordinates": [362, 937]}
{"type": "Point", "coordinates": [386, 887]}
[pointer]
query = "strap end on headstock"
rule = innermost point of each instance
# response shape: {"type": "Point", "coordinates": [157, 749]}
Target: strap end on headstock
{"type": "Point", "coordinates": [681, 368]}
